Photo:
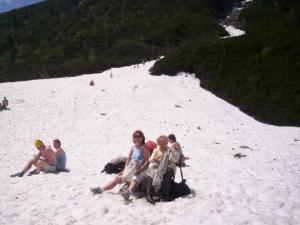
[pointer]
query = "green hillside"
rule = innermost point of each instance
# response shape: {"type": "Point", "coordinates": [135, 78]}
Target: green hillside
{"type": "Point", "coordinates": [69, 37]}
{"type": "Point", "coordinates": [258, 72]}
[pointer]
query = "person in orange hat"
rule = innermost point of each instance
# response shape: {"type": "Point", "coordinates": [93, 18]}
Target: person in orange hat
{"type": "Point", "coordinates": [45, 161]}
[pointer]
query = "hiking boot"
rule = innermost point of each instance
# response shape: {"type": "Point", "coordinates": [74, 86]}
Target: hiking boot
{"type": "Point", "coordinates": [97, 190]}
{"type": "Point", "coordinates": [150, 200]}
{"type": "Point", "coordinates": [20, 174]}
{"type": "Point", "coordinates": [126, 195]}
{"type": "Point", "coordinates": [33, 172]}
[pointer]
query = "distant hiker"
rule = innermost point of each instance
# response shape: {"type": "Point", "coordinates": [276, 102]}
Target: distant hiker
{"type": "Point", "coordinates": [175, 145]}
{"type": "Point", "coordinates": [92, 83]}
{"type": "Point", "coordinates": [61, 157]}
{"type": "Point", "coordinates": [4, 103]}
{"type": "Point", "coordinates": [111, 75]}
{"type": "Point", "coordinates": [162, 166]}
{"type": "Point", "coordinates": [135, 168]}
{"type": "Point", "coordinates": [45, 160]}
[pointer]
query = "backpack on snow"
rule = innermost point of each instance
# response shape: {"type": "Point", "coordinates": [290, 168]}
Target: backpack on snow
{"type": "Point", "coordinates": [170, 189]}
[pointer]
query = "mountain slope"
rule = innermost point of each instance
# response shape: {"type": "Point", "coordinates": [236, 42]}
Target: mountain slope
{"type": "Point", "coordinates": [258, 72]}
{"type": "Point", "coordinates": [95, 124]}
{"type": "Point", "coordinates": [70, 37]}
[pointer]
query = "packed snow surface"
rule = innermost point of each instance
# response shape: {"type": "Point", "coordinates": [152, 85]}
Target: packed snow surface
{"type": "Point", "coordinates": [95, 124]}
{"type": "Point", "coordinates": [233, 32]}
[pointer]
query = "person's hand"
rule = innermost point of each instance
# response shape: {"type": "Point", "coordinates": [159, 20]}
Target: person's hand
{"type": "Point", "coordinates": [137, 172]}
{"type": "Point", "coordinates": [158, 158]}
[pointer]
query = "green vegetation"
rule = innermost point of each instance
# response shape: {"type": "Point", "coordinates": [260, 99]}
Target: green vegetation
{"type": "Point", "coordinates": [69, 37]}
{"type": "Point", "coordinates": [258, 72]}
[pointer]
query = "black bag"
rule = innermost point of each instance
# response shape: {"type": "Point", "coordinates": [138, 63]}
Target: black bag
{"type": "Point", "coordinates": [111, 168]}
{"type": "Point", "coordinates": [179, 189]}
{"type": "Point", "coordinates": [176, 190]}
{"type": "Point", "coordinates": [167, 181]}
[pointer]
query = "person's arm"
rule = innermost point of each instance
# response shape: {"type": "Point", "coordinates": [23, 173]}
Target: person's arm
{"type": "Point", "coordinates": [174, 156]}
{"type": "Point", "coordinates": [146, 161]}
{"type": "Point", "coordinates": [129, 157]}
{"type": "Point", "coordinates": [158, 158]}
{"type": "Point", "coordinates": [37, 156]}
{"type": "Point", "coordinates": [152, 157]}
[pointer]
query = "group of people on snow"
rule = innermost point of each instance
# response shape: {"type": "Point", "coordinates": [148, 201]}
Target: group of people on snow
{"type": "Point", "coordinates": [152, 163]}
{"type": "Point", "coordinates": [147, 162]}
{"type": "Point", "coordinates": [47, 159]}
{"type": "Point", "coordinates": [4, 104]}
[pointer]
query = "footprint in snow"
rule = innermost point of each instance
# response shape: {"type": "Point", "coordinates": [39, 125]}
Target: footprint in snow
{"type": "Point", "coordinates": [246, 147]}
{"type": "Point", "coordinates": [239, 155]}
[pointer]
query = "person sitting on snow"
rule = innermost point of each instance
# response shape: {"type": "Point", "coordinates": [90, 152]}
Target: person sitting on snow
{"type": "Point", "coordinates": [135, 167]}
{"type": "Point", "coordinates": [4, 103]}
{"type": "Point", "coordinates": [162, 167]}
{"type": "Point", "coordinates": [45, 160]}
{"type": "Point", "coordinates": [60, 156]}
{"type": "Point", "coordinates": [175, 145]}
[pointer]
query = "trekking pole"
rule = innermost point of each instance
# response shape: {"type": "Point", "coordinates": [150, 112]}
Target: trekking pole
{"type": "Point", "coordinates": [181, 172]}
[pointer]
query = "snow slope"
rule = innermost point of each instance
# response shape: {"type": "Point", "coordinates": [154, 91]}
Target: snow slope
{"type": "Point", "coordinates": [233, 31]}
{"type": "Point", "coordinates": [96, 123]}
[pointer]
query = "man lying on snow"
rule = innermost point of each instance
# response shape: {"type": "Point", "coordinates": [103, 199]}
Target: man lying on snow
{"type": "Point", "coordinates": [46, 160]}
{"type": "Point", "coordinates": [159, 176]}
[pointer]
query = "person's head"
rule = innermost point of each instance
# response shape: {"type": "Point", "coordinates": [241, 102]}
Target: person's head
{"type": "Point", "coordinates": [39, 145]}
{"type": "Point", "coordinates": [162, 142]}
{"type": "Point", "coordinates": [138, 138]}
{"type": "Point", "coordinates": [172, 138]}
{"type": "Point", "coordinates": [56, 143]}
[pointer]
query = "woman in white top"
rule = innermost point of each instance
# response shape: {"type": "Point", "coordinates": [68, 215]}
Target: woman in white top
{"type": "Point", "coordinates": [161, 159]}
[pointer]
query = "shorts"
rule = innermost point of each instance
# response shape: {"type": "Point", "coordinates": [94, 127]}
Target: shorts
{"type": "Point", "coordinates": [140, 177]}
{"type": "Point", "coordinates": [47, 168]}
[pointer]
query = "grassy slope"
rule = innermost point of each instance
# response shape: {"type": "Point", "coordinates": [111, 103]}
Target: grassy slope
{"type": "Point", "coordinates": [70, 37]}
{"type": "Point", "coordinates": [258, 72]}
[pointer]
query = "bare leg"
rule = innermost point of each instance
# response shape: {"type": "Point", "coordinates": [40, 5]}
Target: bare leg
{"type": "Point", "coordinates": [112, 184]}
{"type": "Point", "coordinates": [132, 186]}
{"type": "Point", "coordinates": [131, 189]}
{"type": "Point", "coordinates": [39, 166]}
{"type": "Point", "coordinates": [28, 166]}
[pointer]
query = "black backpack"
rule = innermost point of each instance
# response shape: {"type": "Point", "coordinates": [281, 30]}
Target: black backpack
{"type": "Point", "coordinates": [111, 168]}
{"type": "Point", "coordinates": [170, 189]}
{"type": "Point", "coordinates": [179, 189]}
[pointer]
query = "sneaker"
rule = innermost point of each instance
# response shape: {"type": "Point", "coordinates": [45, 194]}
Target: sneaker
{"type": "Point", "coordinates": [17, 175]}
{"type": "Point", "coordinates": [126, 195]}
{"type": "Point", "coordinates": [97, 190]}
{"type": "Point", "coordinates": [33, 172]}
